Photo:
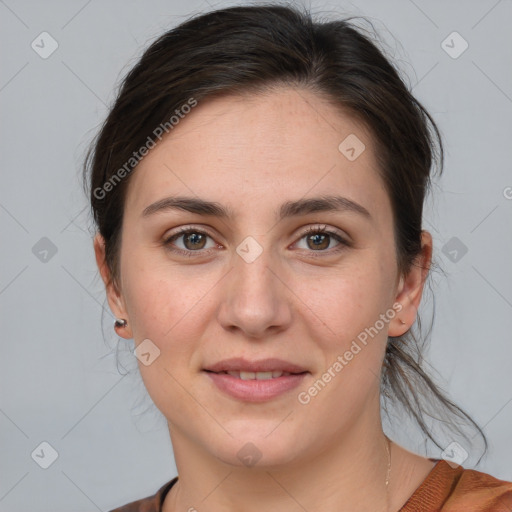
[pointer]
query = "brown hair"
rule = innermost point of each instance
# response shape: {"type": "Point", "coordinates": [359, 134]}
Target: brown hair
{"type": "Point", "coordinates": [252, 49]}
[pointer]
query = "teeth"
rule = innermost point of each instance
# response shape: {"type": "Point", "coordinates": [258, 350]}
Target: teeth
{"type": "Point", "coordinates": [257, 375]}
{"type": "Point", "coordinates": [263, 375]}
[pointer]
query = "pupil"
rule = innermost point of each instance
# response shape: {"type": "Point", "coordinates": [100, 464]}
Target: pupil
{"type": "Point", "coordinates": [194, 238]}
{"type": "Point", "coordinates": [316, 238]}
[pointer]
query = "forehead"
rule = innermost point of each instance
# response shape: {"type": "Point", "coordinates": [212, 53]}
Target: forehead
{"type": "Point", "coordinates": [261, 149]}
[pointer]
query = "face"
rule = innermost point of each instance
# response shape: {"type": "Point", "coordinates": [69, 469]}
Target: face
{"type": "Point", "coordinates": [254, 284]}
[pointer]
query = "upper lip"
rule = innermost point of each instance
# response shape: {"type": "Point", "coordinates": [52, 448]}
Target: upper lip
{"type": "Point", "coordinates": [263, 365]}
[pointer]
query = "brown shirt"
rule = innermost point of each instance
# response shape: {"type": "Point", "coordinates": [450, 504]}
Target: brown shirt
{"type": "Point", "coordinates": [445, 489]}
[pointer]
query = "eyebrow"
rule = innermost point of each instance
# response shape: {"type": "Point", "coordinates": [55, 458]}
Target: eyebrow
{"type": "Point", "coordinates": [288, 209]}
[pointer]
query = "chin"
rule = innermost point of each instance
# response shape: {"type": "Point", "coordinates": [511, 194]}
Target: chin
{"type": "Point", "coordinates": [259, 447]}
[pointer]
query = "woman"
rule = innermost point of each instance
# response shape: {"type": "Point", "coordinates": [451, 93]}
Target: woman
{"type": "Point", "coordinates": [267, 258]}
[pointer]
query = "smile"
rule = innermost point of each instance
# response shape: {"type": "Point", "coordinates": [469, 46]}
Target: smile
{"type": "Point", "coordinates": [255, 386]}
{"type": "Point", "coordinates": [257, 375]}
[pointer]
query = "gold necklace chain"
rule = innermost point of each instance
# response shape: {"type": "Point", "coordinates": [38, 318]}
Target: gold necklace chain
{"type": "Point", "coordinates": [388, 449]}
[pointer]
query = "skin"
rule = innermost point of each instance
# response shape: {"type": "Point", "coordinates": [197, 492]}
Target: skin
{"type": "Point", "coordinates": [252, 154]}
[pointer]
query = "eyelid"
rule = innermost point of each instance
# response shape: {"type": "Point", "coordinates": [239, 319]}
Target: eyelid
{"type": "Point", "coordinates": [343, 241]}
{"type": "Point", "coordinates": [183, 230]}
{"type": "Point", "coordinates": [325, 229]}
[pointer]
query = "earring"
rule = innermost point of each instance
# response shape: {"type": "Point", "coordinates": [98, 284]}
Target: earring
{"type": "Point", "coordinates": [401, 321]}
{"type": "Point", "coordinates": [119, 324]}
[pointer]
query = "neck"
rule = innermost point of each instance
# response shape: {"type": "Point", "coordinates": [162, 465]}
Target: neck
{"type": "Point", "coordinates": [348, 474]}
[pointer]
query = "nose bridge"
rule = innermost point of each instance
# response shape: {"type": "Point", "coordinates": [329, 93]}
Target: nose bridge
{"type": "Point", "coordinates": [252, 273]}
{"type": "Point", "coordinates": [254, 298]}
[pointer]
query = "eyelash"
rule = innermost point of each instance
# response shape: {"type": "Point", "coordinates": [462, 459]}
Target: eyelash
{"type": "Point", "coordinates": [309, 232]}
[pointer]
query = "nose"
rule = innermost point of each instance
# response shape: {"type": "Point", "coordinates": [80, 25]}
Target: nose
{"type": "Point", "coordinates": [255, 298]}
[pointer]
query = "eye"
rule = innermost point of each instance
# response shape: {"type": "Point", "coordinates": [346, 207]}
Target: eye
{"type": "Point", "coordinates": [319, 238]}
{"type": "Point", "coordinates": [194, 240]}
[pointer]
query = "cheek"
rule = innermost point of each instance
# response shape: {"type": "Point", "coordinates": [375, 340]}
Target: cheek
{"type": "Point", "coordinates": [345, 324]}
{"type": "Point", "coordinates": [343, 315]}
{"type": "Point", "coordinates": [340, 306]}
{"type": "Point", "coordinates": [174, 306]}
{"type": "Point", "coordinates": [159, 303]}
{"type": "Point", "coordinates": [166, 311]}
{"type": "Point", "coordinates": [169, 304]}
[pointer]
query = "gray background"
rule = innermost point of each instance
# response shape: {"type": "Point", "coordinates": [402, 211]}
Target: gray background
{"type": "Point", "coordinates": [59, 381]}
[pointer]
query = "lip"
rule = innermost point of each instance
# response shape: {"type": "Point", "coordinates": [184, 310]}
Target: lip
{"type": "Point", "coordinates": [263, 365]}
{"type": "Point", "coordinates": [255, 390]}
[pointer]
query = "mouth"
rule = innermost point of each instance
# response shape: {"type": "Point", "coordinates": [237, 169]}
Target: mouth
{"type": "Point", "coordinates": [255, 381]}
{"type": "Point", "coordinates": [244, 375]}
{"type": "Point", "coordinates": [246, 369]}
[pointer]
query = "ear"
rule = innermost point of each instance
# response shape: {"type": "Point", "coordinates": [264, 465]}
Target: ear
{"type": "Point", "coordinates": [410, 288]}
{"type": "Point", "coordinates": [114, 297]}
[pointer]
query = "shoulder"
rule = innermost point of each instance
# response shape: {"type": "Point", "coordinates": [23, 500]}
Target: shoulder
{"type": "Point", "coordinates": [451, 488]}
{"type": "Point", "coordinates": [151, 503]}
{"type": "Point", "coordinates": [476, 489]}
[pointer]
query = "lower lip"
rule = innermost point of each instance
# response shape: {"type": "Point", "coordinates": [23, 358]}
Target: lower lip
{"type": "Point", "coordinates": [255, 390]}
